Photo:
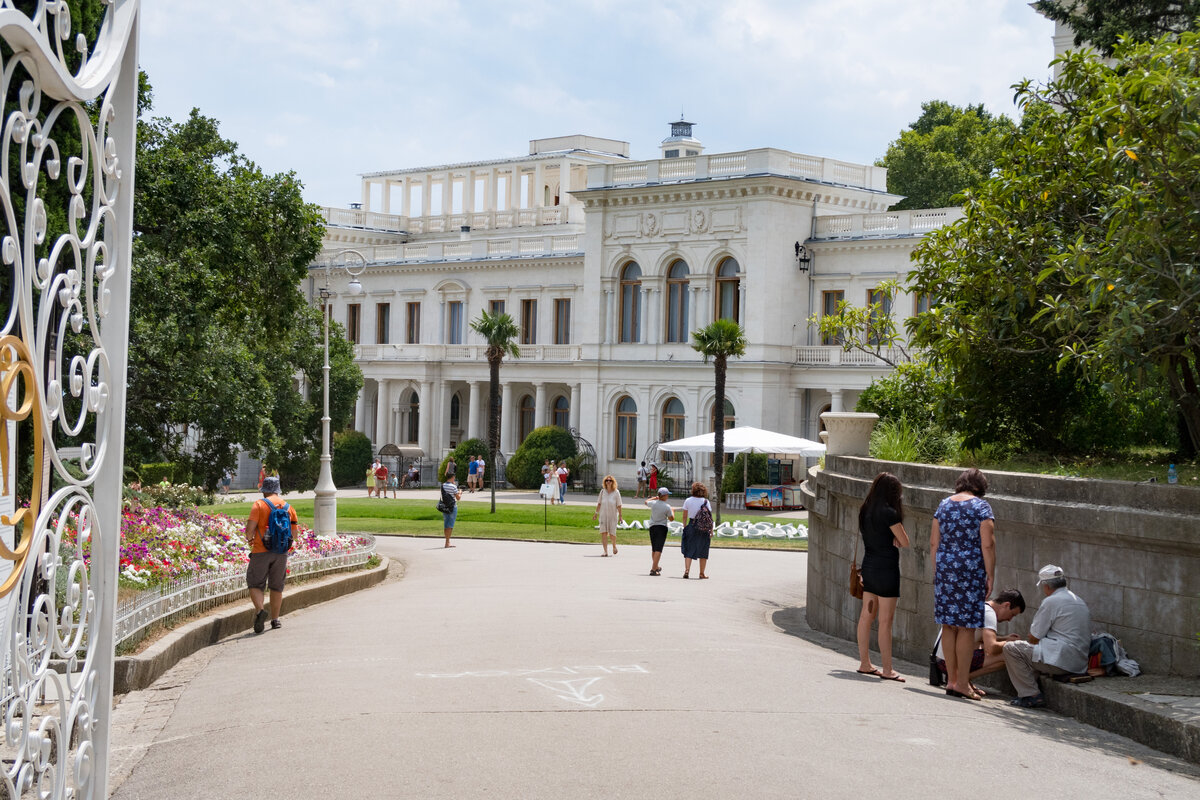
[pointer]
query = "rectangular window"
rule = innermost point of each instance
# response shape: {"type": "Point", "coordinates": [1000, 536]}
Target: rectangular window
{"type": "Point", "coordinates": [412, 323]}
{"type": "Point", "coordinates": [528, 321]}
{"type": "Point", "coordinates": [353, 322]}
{"type": "Point", "coordinates": [496, 307]}
{"type": "Point", "coordinates": [881, 309]}
{"type": "Point", "coordinates": [454, 322]}
{"type": "Point", "coordinates": [562, 321]}
{"type": "Point", "coordinates": [922, 302]}
{"type": "Point", "coordinates": [829, 308]}
{"type": "Point", "coordinates": [383, 322]}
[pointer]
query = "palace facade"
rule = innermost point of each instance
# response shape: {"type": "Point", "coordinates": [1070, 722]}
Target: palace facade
{"type": "Point", "coordinates": [607, 264]}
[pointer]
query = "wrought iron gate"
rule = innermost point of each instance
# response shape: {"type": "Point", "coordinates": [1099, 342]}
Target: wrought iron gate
{"type": "Point", "coordinates": [66, 181]}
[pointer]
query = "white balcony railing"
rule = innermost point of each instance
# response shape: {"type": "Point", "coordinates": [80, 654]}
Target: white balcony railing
{"type": "Point", "coordinates": [748, 162]}
{"type": "Point", "coordinates": [891, 224]}
{"type": "Point", "coordinates": [461, 352]}
{"type": "Point", "coordinates": [835, 356]}
{"type": "Point", "coordinates": [475, 249]}
{"type": "Point", "coordinates": [447, 223]}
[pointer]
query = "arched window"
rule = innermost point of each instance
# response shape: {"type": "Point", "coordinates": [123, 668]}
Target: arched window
{"type": "Point", "coordinates": [730, 417]}
{"type": "Point", "coordinates": [455, 412]}
{"type": "Point", "coordinates": [562, 412]}
{"type": "Point", "coordinates": [672, 425]}
{"type": "Point", "coordinates": [631, 303]}
{"type": "Point", "coordinates": [527, 418]}
{"type": "Point", "coordinates": [626, 444]}
{"type": "Point", "coordinates": [414, 417]}
{"type": "Point", "coordinates": [677, 302]}
{"type": "Point", "coordinates": [727, 291]}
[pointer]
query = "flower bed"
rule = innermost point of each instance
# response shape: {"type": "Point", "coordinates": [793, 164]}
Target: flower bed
{"type": "Point", "coordinates": [159, 545]}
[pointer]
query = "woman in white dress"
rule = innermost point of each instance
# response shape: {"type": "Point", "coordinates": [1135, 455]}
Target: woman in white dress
{"type": "Point", "coordinates": [552, 479]}
{"type": "Point", "coordinates": [608, 512]}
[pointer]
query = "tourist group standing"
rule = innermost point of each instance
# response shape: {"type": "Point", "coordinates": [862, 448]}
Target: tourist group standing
{"type": "Point", "coordinates": [962, 550]}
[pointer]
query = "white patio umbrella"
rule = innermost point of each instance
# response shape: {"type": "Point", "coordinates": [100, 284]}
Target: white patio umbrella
{"type": "Point", "coordinates": [746, 439]}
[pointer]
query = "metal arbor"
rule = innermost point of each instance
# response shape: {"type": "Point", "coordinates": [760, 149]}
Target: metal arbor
{"type": "Point", "coordinates": [66, 186]}
{"type": "Point", "coordinates": [587, 460]}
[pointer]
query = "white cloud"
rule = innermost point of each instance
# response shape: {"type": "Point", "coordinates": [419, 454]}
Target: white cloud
{"type": "Point", "coordinates": [379, 84]}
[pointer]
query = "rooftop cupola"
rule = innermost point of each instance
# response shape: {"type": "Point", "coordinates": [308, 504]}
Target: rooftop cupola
{"type": "Point", "coordinates": [681, 143]}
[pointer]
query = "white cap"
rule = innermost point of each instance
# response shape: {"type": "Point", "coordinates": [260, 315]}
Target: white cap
{"type": "Point", "coordinates": [663, 490]}
{"type": "Point", "coordinates": [1049, 573]}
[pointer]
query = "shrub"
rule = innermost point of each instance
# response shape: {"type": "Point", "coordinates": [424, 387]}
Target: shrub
{"type": "Point", "coordinates": [351, 458]}
{"type": "Point", "coordinates": [464, 451]}
{"type": "Point", "coordinates": [901, 439]}
{"type": "Point", "coordinates": [157, 473]}
{"type": "Point", "coordinates": [524, 469]}
{"type": "Point", "coordinates": [732, 480]}
{"type": "Point", "coordinates": [167, 495]}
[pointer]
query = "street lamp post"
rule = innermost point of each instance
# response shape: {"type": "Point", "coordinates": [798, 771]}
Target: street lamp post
{"type": "Point", "coordinates": [325, 507]}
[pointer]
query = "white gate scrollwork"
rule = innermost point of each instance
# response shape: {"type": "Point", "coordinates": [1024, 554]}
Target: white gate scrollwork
{"type": "Point", "coordinates": [66, 194]}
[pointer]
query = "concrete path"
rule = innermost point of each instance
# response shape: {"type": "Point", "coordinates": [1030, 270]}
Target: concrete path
{"type": "Point", "coordinates": [520, 670]}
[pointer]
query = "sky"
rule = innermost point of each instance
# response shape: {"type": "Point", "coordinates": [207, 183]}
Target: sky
{"type": "Point", "coordinates": [331, 89]}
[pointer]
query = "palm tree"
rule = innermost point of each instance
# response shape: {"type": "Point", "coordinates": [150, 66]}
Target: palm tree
{"type": "Point", "coordinates": [500, 332]}
{"type": "Point", "coordinates": [720, 340]}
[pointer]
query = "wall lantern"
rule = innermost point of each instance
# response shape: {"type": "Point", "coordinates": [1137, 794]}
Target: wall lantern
{"type": "Point", "coordinates": [803, 257]}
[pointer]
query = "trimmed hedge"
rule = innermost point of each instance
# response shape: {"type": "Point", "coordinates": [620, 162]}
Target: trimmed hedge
{"type": "Point", "coordinates": [524, 469]}
{"type": "Point", "coordinates": [351, 458]}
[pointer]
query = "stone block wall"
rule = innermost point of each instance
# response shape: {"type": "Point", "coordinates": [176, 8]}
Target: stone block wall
{"type": "Point", "coordinates": [1132, 551]}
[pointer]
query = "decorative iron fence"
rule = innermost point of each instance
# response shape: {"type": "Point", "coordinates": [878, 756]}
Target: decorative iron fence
{"type": "Point", "coordinates": [207, 589]}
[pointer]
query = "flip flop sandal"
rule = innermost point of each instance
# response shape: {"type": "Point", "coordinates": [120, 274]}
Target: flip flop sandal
{"type": "Point", "coordinates": [897, 677]}
{"type": "Point", "coordinates": [874, 672]}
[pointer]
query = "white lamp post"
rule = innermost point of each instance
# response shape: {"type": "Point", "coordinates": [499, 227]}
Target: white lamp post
{"type": "Point", "coordinates": [325, 508]}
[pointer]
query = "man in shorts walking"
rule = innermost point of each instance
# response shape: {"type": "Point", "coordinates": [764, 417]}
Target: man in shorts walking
{"type": "Point", "coordinates": [266, 569]}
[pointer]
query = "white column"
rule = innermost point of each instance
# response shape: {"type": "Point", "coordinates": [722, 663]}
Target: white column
{"type": "Point", "coordinates": [382, 411]}
{"type": "Point", "coordinates": [610, 317]}
{"type": "Point", "coordinates": [564, 183]}
{"type": "Point", "coordinates": [643, 321]}
{"type": "Point", "coordinates": [406, 198]}
{"type": "Point", "coordinates": [514, 189]}
{"type": "Point", "coordinates": [539, 179]}
{"type": "Point", "coordinates": [426, 197]}
{"type": "Point", "coordinates": [469, 194]}
{"type": "Point", "coordinates": [366, 195]}
{"type": "Point", "coordinates": [539, 405]}
{"type": "Point", "coordinates": [473, 416]}
{"type": "Point", "coordinates": [506, 415]}
{"type": "Point", "coordinates": [424, 418]}
{"type": "Point", "coordinates": [360, 410]}
{"type": "Point", "coordinates": [653, 317]}
{"type": "Point", "coordinates": [742, 315]}
{"type": "Point", "coordinates": [575, 406]}
{"type": "Point", "coordinates": [441, 433]}
{"type": "Point", "coordinates": [493, 192]}
{"type": "Point", "coordinates": [447, 194]}
{"type": "Point", "coordinates": [836, 399]}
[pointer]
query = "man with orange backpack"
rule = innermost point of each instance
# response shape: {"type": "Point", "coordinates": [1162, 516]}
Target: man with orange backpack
{"type": "Point", "coordinates": [270, 532]}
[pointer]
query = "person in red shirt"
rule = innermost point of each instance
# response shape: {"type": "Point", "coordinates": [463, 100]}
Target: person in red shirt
{"type": "Point", "coordinates": [266, 569]}
{"type": "Point", "coordinates": [381, 476]}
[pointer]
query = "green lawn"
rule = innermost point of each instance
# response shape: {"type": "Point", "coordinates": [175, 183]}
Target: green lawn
{"type": "Point", "coordinates": [572, 523]}
{"type": "Point", "coordinates": [1137, 464]}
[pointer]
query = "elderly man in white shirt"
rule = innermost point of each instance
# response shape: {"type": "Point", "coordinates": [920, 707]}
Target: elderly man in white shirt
{"type": "Point", "coordinates": [1060, 638]}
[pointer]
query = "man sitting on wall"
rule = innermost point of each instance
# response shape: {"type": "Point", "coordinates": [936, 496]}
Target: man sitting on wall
{"type": "Point", "coordinates": [989, 650]}
{"type": "Point", "coordinates": [1059, 639]}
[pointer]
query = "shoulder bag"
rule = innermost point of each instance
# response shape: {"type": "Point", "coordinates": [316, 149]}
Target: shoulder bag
{"type": "Point", "coordinates": [856, 587]}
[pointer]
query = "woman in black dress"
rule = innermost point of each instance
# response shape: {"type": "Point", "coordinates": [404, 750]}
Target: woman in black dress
{"type": "Point", "coordinates": [880, 521]}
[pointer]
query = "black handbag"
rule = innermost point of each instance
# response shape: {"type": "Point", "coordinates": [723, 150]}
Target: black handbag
{"type": "Point", "coordinates": [936, 676]}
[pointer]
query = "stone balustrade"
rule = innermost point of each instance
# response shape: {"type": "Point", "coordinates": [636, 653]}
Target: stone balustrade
{"type": "Point", "coordinates": [888, 225]}
{"type": "Point", "coordinates": [447, 223]}
{"type": "Point", "coordinates": [556, 353]}
{"type": "Point", "coordinates": [762, 161]}
{"type": "Point", "coordinates": [470, 250]}
{"type": "Point", "coordinates": [836, 356]}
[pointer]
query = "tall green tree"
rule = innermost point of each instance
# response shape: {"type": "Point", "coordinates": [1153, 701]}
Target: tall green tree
{"type": "Point", "coordinates": [500, 332]}
{"type": "Point", "coordinates": [720, 341]}
{"type": "Point", "coordinates": [219, 326]}
{"type": "Point", "coordinates": [947, 151]}
{"type": "Point", "coordinates": [1101, 23]}
{"type": "Point", "coordinates": [1082, 250]}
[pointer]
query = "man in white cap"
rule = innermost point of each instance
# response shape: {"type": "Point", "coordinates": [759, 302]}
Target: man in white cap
{"type": "Point", "coordinates": [1060, 637]}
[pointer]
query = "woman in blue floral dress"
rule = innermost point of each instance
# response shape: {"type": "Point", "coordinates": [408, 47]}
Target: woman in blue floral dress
{"type": "Point", "coordinates": [962, 546]}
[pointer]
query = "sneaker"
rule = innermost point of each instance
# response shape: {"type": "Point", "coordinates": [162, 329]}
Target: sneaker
{"type": "Point", "coordinates": [1033, 701]}
{"type": "Point", "coordinates": [260, 620]}
{"type": "Point", "coordinates": [276, 624]}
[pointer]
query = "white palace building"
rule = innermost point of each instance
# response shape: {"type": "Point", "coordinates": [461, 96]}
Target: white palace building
{"type": "Point", "coordinates": [607, 264]}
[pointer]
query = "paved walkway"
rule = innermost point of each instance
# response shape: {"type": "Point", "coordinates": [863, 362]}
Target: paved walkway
{"type": "Point", "coordinates": [519, 670]}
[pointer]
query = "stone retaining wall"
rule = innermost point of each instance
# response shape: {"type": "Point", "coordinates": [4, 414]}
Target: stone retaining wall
{"type": "Point", "coordinates": [1132, 551]}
